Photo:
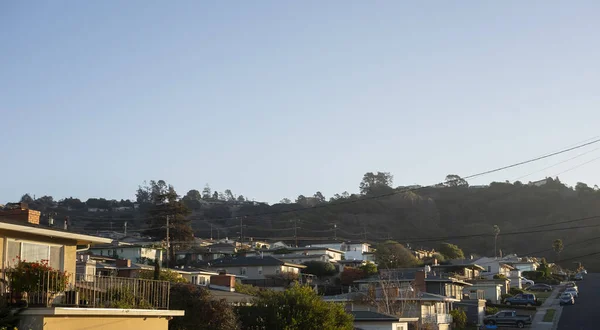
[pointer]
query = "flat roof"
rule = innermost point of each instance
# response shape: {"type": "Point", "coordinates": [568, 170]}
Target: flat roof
{"type": "Point", "coordinates": [81, 239]}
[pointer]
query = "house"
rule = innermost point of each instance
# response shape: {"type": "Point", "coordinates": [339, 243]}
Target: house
{"type": "Point", "coordinates": [334, 254]}
{"type": "Point", "coordinates": [497, 266]}
{"type": "Point", "coordinates": [369, 320]}
{"type": "Point", "coordinates": [423, 281]}
{"type": "Point", "coordinates": [279, 245]}
{"type": "Point", "coordinates": [353, 250]}
{"type": "Point", "coordinates": [255, 267]}
{"type": "Point", "coordinates": [417, 309]}
{"type": "Point", "coordinates": [196, 276]}
{"type": "Point", "coordinates": [135, 252]}
{"type": "Point", "coordinates": [222, 249]}
{"type": "Point", "coordinates": [492, 291]}
{"type": "Point", "coordinates": [69, 308]}
{"type": "Point", "coordinates": [464, 269]}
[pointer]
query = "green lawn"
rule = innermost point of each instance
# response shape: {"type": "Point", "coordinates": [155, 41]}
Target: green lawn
{"type": "Point", "coordinates": [541, 295]}
{"type": "Point", "coordinates": [549, 317]}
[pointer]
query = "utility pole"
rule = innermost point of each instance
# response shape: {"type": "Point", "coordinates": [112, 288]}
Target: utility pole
{"type": "Point", "coordinates": [242, 230]}
{"type": "Point", "coordinates": [125, 228]}
{"type": "Point", "coordinates": [168, 241]}
{"type": "Point", "coordinates": [296, 231]}
{"type": "Point", "coordinates": [211, 232]}
{"type": "Point", "coordinates": [335, 231]}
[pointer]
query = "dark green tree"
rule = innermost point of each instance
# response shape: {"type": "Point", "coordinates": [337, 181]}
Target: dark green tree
{"type": "Point", "coordinates": [392, 254]}
{"type": "Point", "coordinates": [319, 268]}
{"type": "Point", "coordinates": [166, 205]}
{"type": "Point", "coordinates": [297, 308]}
{"type": "Point", "coordinates": [451, 251]}
{"type": "Point", "coordinates": [376, 183]}
{"type": "Point", "coordinates": [202, 312]}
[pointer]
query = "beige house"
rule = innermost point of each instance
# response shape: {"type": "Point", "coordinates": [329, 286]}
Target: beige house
{"type": "Point", "coordinates": [21, 237]}
{"type": "Point", "coordinates": [255, 267]}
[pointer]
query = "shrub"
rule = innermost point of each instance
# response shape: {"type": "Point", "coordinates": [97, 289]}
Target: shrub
{"type": "Point", "coordinates": [515, 291]}
{"type": "Point", "coordinates": [319, 268]}
{"type": "Point", "coordinates": [504, 296]}
{"type": "Point", "coordinates": [499, 277]}
{"type": "Point", "coordinates": [533, 275]}
{"type": "Point", "coordinates": [349, 275]}
{"type": "Point", "coordinates": [459, 317]}
{"type": "Point", "coordinates": [201, 312]}
{"type": "Point", "coordinates": [489, 310]}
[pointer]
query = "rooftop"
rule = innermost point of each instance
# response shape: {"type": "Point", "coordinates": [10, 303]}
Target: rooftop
{"type": "Point", "coordinates": [373, 316]}
{"type": "Point", "coordinates": [251, 261]}
{"type": "Point", "coordinates": [22, 226]}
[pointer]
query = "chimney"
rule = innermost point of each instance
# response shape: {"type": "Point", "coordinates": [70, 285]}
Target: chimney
{"type": "Point", "coordinates": [123, 263]}
{"type": "Point", "coordinates": [223, 282]}
{"type": "Point", "coordinates": [20, 212]}
{"type": "Point", "coordinates": [420, 277]}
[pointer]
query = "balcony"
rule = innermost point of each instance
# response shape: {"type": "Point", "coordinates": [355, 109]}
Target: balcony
{"type": "Point", "coordinates": [438, 319]}
{"type": "Point", "coordinates": [58, 289]}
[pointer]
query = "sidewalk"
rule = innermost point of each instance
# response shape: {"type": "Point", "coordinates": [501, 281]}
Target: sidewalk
{"type": "Point", "coordinates": [550, 303]}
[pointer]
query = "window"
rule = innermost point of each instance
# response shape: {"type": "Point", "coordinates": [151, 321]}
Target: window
{"type": "Point", "coordinates": [277, 271]}
{"type": "Point", "coordinates": [243, 271]}
{"type": "Point", "coordinates": [194, 279]}
{"type": "Point", "coordinates": [489, 268]}
{"type": "Point", "coordinates": [400, 327]}
{"type": "Point", "coordinates": [259, 270]}
{"type": "Point", "coordinates": [30, 251]}
{"type": "Point", "coordinates": [201, 280]}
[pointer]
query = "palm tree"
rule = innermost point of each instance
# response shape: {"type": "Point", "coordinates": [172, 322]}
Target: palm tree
{"type": "Point", "coordinates": [496, 233]}
{"type": "Point", "coordinates": [557, 246]}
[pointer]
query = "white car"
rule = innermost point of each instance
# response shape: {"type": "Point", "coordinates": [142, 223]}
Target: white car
{"type": "Point", "coordinates": [572, 291]}
{"type": "Point", "coordinates": [527, 282]}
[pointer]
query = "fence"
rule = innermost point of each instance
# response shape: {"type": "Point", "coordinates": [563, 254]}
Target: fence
{"type": "Point", "coordinates": [53, 288]}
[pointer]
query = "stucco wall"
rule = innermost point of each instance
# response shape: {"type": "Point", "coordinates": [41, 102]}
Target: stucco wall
{"type": "Point", "coordinates": [93, 323]}
{"type": "Point", "coordinates": [381, 325]}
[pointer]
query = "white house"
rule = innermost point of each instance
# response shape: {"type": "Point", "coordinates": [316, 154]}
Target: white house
{"type": "Point", "coordinates": [352, 250]}
{"type": "Point", "coordinates": [369, 320]}
{"type": "Point", "coordinates": [334, 255]}
{"type": "Point", "coordinates": [136, 253]}
{"type": "Point", "coordinates": [255, 267]}
{"type": "Point", "coordinates": [492, 291]}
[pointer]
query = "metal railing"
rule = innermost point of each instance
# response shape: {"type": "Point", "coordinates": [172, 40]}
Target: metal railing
{"type": "Point", "coordinates": [52, 288]}
{"type": "Point", "coordinates": [438, 318]}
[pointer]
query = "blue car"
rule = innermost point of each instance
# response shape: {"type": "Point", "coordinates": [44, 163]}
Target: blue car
{"type": "Point", "coordinates": [524, 299]}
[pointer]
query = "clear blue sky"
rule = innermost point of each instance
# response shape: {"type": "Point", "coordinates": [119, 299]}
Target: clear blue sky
{"type": "Point", "coordinates": [278, 98]}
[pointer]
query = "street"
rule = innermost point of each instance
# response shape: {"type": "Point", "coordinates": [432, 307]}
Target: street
{"type": "Point", "coordinates": [582, 315]}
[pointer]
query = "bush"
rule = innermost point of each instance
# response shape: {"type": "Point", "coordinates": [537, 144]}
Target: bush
{"type": "Point", "coordinates": [499, 277]}
{"type": "Point", "coordinates": [516, 291]}
{"type": "Point", "coordinates": [349, 275]}
{"type": "Point", "coordinates": [319, 268]}
{"type": "Point", "coordinates": [533, 275]}
{"type": "Point", "coordinates": [504, 296]}
{"type": "Point", "coordinates": [201, 312]}
{"type": "Point", "coordinates": [489, 310]}
{"type": "Point", "coordinates": [459, 317]}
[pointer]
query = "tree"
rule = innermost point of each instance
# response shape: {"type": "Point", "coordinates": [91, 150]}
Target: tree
{"type": "Point", "coordinates": [142, 195]}
{"type": "Point", "coordinates": [163, 275]}
{"type": "Point", "coordinates": [496, 233]}
{"type": "Point", "coordinates": [392, 254]}
{"type": "Point", "coordinates": [229, 195]}
{"type": "Point", "coordinates": [459, 317]}
{"type": "Point", "coordinates": [297, 308]}
{"type": "Point", "coordinates": [453, 180]}
{"type": "Point", "coordinates": [215, 195]}
{"type": "Point", "coordinates": [201, 311]}
{"type": "Point", "coordinates": [349, 275]}
{"type": "Point", "coordinates": [301, 200]}
{"type": "Point", "coordinates": [557, 246]}
{"type": "Point", "coordinates": [319, 197]}
{"type": "Point", "coordinates": [241, 198]}
{"type": "Point", "coordinates": [369, 268]}
{"type": "Point", "coordinates": [451, 251]}
{"type": "Point", "coordinates": [192, 199]}
{"type": "Point", "coordinates": [376, 183]}
{"type": "Point", "coordinates": [285, 201]}
{"type": "Point", "coordinates": [165, 204]}
{"type": "Point", "coordinates": [319, 268]}
{"type": "Point", "coordinates": [206, 192]}
{"type": "Point", "coordinates": [26, 199]}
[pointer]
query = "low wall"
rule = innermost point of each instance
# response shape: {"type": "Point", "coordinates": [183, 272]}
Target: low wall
{"type": "Point", "coordinates": [95, 319]}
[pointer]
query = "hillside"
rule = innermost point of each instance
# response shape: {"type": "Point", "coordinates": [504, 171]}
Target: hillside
{"type": "Point", "coordinates": [527, 215]}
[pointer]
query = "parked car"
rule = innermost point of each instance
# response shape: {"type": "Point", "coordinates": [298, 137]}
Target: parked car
{"type": "Point", "coordinates": [578, 277]}
{"type": "Point", "coordinates": [525, 299]}
{"type": "Point", "coordinates": [509, 318]}
{"type": "Point", "coordinates": [583, 272]}
{"type": "Point", "coordinates": [540, 287]}
{"type": "Point", "coordinates": [567, 299]}
{"type": "Point", "coordinates": [573, 292]}
{"type": "Point", "coordinates": [572, 285]}
{"type": "Point", "coordinates": [527, 282]}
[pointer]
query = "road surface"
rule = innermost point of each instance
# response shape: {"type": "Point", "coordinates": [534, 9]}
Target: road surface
{"type": "Point", "coordinates": [584, 314]}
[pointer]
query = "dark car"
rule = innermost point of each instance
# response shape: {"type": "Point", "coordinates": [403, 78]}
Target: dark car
{"type": "Point", "coordinates": [509, 318]}
{"type": "Point", "coordinates": [524, 299]}
{"type": "Point", "coordinates": [539, 287]}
